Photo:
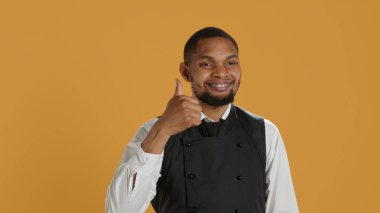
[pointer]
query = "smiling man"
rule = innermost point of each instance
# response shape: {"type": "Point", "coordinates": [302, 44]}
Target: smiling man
{"type": "Point", "coordinates": [204, 153]}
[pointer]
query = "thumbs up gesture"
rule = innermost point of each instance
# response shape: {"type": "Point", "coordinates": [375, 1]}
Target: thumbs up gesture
{"type": "Point", "coordinates": [181, 112]}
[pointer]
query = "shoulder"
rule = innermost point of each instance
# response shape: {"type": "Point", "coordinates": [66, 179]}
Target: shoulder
{"type": "Point", "coordinates": [270, 127]}
{"type": "Point", "coordinates": [272, 133]}
{"type": "Point", "coordinates": [252, 122]}
{"type": "Point", "coordinates": [241, 111]}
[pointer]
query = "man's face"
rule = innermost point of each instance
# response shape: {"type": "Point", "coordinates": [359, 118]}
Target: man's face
{"type": "Point", "coordinates": [214, 71]}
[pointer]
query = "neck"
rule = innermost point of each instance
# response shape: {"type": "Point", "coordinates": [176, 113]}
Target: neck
{"type": "Point", "coordinates": [213, 112]}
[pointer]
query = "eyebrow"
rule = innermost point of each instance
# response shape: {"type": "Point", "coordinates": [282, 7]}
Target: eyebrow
{"type": "Point", "coordinates": [211, 58]}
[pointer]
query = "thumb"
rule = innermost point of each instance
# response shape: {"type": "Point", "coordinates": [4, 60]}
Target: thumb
{"type": "Point", "coordinates": [179, 88]}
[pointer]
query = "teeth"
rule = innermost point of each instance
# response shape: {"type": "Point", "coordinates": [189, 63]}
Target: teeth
{"type": "Point", "coordinates": [219, 85]}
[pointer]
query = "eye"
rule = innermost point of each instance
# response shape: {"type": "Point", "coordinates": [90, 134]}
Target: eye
{"type": "Point", "coordinates": [205, 64]}
{"type": "Point", "coordinates": [232, 62]}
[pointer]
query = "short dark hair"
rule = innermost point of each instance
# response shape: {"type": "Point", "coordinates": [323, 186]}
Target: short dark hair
{"type": "Point", "coordinates": [207, 32]}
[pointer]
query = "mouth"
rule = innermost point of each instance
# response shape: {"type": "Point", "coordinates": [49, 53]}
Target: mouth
{"type": "Point", "coordinates": [220, 85]}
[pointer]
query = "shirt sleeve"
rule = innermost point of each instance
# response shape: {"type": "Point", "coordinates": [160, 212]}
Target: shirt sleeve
{"type": "Point", "coordinates": [121, 196]}
{"type": "Point", "coordinates": [280, 192]}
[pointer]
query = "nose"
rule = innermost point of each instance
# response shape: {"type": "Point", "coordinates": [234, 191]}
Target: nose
{"type": "Point", "coordinates": [220, 71]}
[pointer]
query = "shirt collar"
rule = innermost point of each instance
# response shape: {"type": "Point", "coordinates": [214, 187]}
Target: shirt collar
{"type": "Point", "coordinates": [224, 116]}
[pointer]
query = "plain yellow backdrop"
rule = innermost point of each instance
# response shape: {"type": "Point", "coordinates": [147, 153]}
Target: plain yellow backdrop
{"type": "Point", "coordinates": [78, 78]}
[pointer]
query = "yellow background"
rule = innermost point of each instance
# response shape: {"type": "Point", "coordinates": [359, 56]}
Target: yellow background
{"type": "Point", "coordinates": [77, 79]}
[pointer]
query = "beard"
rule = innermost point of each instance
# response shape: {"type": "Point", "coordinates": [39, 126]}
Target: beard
{"type": "Point", "coordinates": [211, 100]}
{"type": "Point", "coordinates": [207, 98]}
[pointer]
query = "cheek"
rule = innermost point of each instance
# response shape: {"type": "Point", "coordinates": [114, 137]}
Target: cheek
{"type": "Point", "coordinates": [237, 75]}
{"type": "Point", "coordinates": [199, 76]}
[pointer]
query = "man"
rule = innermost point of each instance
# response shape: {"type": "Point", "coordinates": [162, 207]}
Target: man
{"type": "Point", "coordinates": [205, 154]}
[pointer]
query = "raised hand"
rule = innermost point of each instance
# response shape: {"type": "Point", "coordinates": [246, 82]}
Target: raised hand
{"type": "Point", "coordinates": [181, 112]}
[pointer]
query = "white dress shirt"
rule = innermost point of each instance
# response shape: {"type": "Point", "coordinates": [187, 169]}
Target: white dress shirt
{"type": "Point", "coordinates": [122, 197]}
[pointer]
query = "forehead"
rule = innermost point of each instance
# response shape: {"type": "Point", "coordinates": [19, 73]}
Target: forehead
{"type": "Point", "coordinates": [216, 46]}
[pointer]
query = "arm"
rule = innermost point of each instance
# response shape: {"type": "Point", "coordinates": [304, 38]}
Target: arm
{"type": "Point", "coordinates": [280, 193]}
{"type": "Point", "coordinates": [134, 184]}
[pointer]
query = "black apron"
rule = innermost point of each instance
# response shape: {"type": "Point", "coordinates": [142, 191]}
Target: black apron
{"type": "Point", "coordinates": [220, 173]}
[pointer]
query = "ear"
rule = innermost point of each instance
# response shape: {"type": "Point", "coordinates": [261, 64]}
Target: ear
{"type": "Point", "coordinates": [185, 71]}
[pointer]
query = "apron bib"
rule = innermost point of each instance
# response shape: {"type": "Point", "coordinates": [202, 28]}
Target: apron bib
{"type": "Point", "coordinates": [213, 174]}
